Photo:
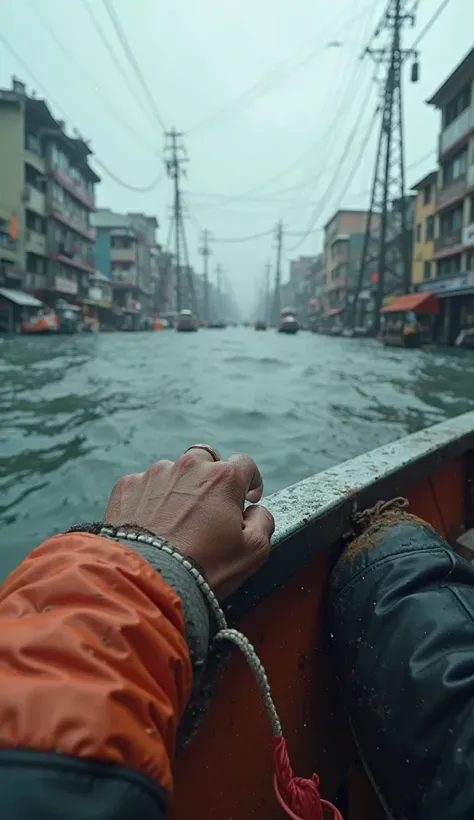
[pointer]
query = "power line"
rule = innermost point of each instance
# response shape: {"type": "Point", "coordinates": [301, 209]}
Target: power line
{"type": "Point", "coordinates": [132, 60]}
{"type": "Point", "coordinates": [430, 23]}
{"type": "Point", "coordinates": [138, 189]}
{"type": "Point", "coordinates": [244, 238]}
{"type": "Point", "coordinates": [61, 110]}
{"type": "Point", "coordinates": [258, 89]}
{"type": "Point", "coordinates": [333, 126]}
{"type": "Point", "coordinates": [113, 56]}
{"type": "Point", "coordinates": [323, 201]}
{"type": "Point", "coordinates": [87, 78]}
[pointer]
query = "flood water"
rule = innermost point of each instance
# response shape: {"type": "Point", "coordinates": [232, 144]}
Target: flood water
{"type": "Point", "coordinates": [77, 412]}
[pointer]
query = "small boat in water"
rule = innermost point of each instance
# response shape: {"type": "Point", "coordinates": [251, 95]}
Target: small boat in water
{"type": "Point", "coordinates": [186, 322]}
{"type": "Point", "coordinates": [281, 611]}
{"type": "Point", "coordinates": [288, 321]}
{"type": "Point", "coordinates": [260, 324]}
{"type": "Point", "coordinates": [218, 325]}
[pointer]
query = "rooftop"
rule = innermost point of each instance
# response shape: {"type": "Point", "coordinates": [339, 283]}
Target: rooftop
{"type": "Point", "coordinates": [430, 177]}
{"type": "Point", "coordinates": [454, 82]}
{"type": "Point", "coordinates": [345, 211]}
{"type": "Point", "coordinates": [39, 118]}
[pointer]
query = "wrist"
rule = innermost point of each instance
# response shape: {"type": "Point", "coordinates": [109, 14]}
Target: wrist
{"type": "Point", "coordinates": [159, 555]}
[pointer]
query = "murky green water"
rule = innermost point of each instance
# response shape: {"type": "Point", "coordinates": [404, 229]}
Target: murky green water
{"type": "Point", "coordinates": [77, 412]}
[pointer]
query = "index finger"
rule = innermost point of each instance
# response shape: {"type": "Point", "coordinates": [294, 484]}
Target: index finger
{"type": "Point", "coordinates": [251, 480]}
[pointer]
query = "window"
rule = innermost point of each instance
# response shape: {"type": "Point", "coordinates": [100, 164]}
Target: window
{"type": "Point", "coordinates": [455, 167]}
{"type": "Point", "coordinates": [450, 266]}
{"type": "Point", "coordinates": [471, 209]}
{"type": "Point", "coordinates": [451, 221]}
{"type": "Point", "coordinates": [418, 232]}
{"type": "Point", "coordinates": [429, 228]}
{"type": "Point", "coordinates": [457, 105]}
{"type": "Point", "coordinates": [427, 194]}
{"type": "Point", "coordinates": [427, 270]}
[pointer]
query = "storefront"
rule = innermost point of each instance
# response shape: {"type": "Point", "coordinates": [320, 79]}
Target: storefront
{"type": "Point", "coordinates": [456, 294]}
{"type": "Point", "coordinates": [15, 307]}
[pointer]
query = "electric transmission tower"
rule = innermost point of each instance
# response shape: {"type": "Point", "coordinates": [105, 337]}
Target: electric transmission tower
{"type": "Point", "coordinates": [205, 252]}
{"type": "Point", "coordinates": [175, 161]}
{"type": "Point", "coordinates": [386, 245]}
{"type": "Point", "coordinates": [277, 292]}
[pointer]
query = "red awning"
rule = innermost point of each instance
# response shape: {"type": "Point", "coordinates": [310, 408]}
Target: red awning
{"type": "Point", "coordinates": [334, 311]}
{"type": "Point", "coordinates": [417, 302]}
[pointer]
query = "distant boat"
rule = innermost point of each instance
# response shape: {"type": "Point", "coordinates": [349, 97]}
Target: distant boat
{"type": "Point", "coordinates": [260, 324]}
{"type": "Point", "coordinates": [288, 321]}
{"type": "Point", "coordinates": [186, 322]}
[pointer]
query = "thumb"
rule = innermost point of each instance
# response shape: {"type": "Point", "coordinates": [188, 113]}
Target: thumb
{"type": "Point", "coordinates": [259, 526]}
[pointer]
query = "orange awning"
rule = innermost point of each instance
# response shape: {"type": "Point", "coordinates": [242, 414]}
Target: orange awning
{"type": "Point", "coordinates": [417, 302]}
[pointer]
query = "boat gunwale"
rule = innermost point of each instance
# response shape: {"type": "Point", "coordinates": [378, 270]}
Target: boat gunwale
{"type": "Point", "coordinates": [315, 514]}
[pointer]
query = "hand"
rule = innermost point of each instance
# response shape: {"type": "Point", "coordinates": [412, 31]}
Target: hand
{"type": "Point", "coordinates": [197, 504]}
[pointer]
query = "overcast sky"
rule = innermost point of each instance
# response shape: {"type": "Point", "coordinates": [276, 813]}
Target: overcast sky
{"type": "Point", "coordinates": [268, 108]}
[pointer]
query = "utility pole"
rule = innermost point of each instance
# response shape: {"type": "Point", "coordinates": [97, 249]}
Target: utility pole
{"type": "Point", "coordinates": [277, 293]}
{"type": "Point", "coordinates": [268, 267]}
{"type": "Point", "coordinates": [175, 159]}
{"type": "Point", "coordinates": [386, 227]}
{"type": "Point", "coordinates": [205, 251]}
{"type": "Point", "coordinates": [219, 292]}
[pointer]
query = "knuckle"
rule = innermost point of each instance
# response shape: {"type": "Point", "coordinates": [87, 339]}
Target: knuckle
{"type": "Point", "coordinates": [123, 484]}
{"type": "Point", "coordinates": [186, 461]}
{"type": "Point", "coordinates": [158, 468]}
{"type": "Point", "coordinates": [225, 471]}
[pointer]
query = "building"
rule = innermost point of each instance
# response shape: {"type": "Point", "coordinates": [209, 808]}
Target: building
{"type": "Point", "coordinates": [452, 273]}
{"type": "Point", "coordinates": [343, 246]}
{"type": "Point", "coordinates": [423, 266]}
{"type": "Point", "coordinates": [125, 252]}
{"type": "Point", "coordinates": [46, 201]}
{"type": "Point", "coordinates": [299, 291]}
{"type": "Point", "coordinates": [399, 253]}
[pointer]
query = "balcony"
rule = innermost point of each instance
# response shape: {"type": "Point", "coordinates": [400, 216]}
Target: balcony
{"type": "Point", "coordinates": [123, 254]}
{"type": "Point", "coordinates": [35, 243]}
{"type": "Point", "coordinates": [82, 196]}
{"type": "Point", "coordinates": [34, 200]}
{"type": "Point", "coordinates": [34, 159]}
{"type": "Point", "coordinates": [448, 241]}
{"type": "Point", "coordinates": [338, 284]}
{"type": "Point", "coordinates": [456, 130]}
{"type": "Point", "coordinates": [63, 284]}
{"type": "Point", "coordinates": [85, 263]}
{"type": "Point", "coordinates": [72, 224]}
{"type": "Point", "coordinates": [452, 192]}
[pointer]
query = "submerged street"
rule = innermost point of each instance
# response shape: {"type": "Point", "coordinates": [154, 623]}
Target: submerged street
{"type": "Point", "coordinates": [78, 412]}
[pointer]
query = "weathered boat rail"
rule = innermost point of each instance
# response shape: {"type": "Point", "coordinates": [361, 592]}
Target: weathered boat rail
{"type": "Point", "coordinates": [316, 513]}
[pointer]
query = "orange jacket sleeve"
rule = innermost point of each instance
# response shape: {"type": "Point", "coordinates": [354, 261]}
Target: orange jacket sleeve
{"type": "Point", "coordinates": [94, 662]}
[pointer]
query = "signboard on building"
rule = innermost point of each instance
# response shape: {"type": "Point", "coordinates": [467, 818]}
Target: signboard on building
{"type": "Point", "coordinates": [461, 281]}
{"type": "Point", "coordinates": [63, 285]}
{"type": "Point", "coordinates": [468, 234]}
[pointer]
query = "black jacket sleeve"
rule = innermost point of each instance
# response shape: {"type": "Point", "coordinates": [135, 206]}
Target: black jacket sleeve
{"type": "Point", "coordinates": [402, 629]}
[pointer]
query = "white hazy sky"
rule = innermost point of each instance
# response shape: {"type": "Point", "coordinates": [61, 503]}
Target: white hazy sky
{"type": "Point", "coordinates": [268, 109]}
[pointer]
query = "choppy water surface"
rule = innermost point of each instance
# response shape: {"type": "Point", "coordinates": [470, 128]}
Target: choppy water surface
{"type": "Point", "coordinates": [78, 412]}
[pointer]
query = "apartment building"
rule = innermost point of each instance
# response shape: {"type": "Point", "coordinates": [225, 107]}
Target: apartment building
{"type": "Point", "coordinates": [125, 252]}
{"type": "Point", "coordinates": [343, 245]}
{"type": "Point", "coordinates": [300, 287]}
{"type": "Point", "coordinates": [46, 201]}
{"type": "Point", "coordinates": [423, 266]}
{"type": "Point", "coordinates": [451, 274]}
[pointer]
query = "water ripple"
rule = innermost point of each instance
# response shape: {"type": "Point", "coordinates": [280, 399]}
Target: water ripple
{"type": "Point", "coordinates": [76, 413]}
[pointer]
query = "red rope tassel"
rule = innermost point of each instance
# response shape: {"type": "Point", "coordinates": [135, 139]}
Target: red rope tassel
{"type": "Point", "coordinates": [298, 796]}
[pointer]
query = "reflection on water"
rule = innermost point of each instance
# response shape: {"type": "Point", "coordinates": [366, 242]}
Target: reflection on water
{"type": "Point", "coordinates": [77, 412]}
